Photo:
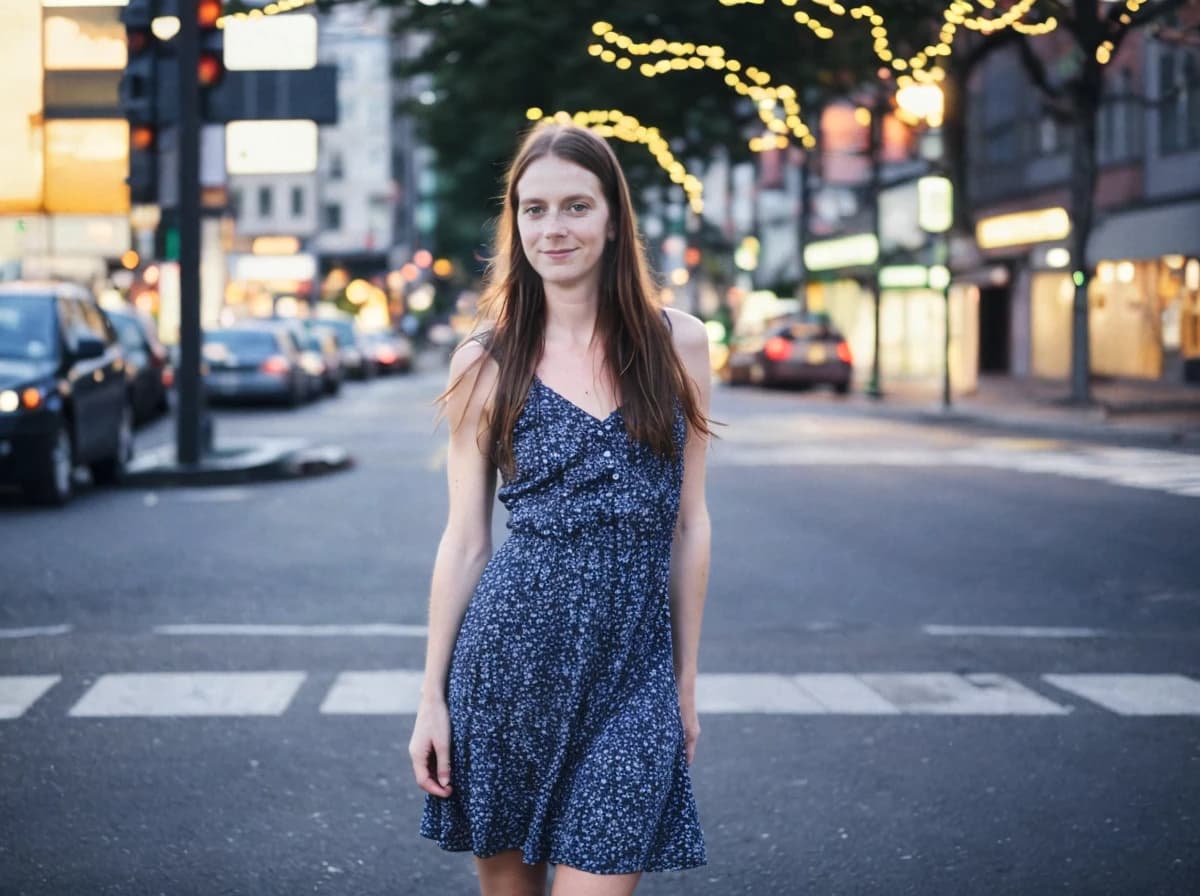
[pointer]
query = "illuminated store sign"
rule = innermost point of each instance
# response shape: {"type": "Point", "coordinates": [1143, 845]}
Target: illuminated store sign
{"type": "Point", "coordinates": [1023, 228]}
{"type": "Point", "coordinates": [844, 252]}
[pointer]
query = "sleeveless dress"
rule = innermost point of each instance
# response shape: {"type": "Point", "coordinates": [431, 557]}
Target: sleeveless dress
{"type": "Point", "coordinates": [566, 736]}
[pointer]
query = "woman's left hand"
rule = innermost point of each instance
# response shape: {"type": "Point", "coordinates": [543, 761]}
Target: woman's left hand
{"type": "Point", "coordinates": [691, 721]}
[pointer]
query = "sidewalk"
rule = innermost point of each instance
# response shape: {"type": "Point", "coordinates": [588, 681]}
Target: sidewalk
{"type": "Point", "coordinates": [1123, 410]}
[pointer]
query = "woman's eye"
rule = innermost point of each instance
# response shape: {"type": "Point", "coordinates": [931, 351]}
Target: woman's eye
{"type": "Point", "coordinates": [532, 210]}
{"type": "Point", "coordinates": [579, 207]}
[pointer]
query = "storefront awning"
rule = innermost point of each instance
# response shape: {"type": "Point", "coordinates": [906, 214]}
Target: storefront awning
{"type": "Point", "coordinates": [1148, 233]}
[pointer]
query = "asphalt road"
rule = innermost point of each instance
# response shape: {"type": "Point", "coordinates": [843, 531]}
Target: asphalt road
{"type": "Point", "coordinates": [935, 661]}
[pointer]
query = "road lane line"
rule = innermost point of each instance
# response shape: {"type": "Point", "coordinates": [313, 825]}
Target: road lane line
{"type": "Point", "coordinates": [844, 695]}
{"type": "Point", "coordinates": [370, 630]}
{"type": "Point", "coordinates": [942, 693]}
{"type": "Point", "coordinates": [19, 692]}
{"type": "Point", "coordinates": [189, 694]}
{"type": "Point", "coordinates": [42, 631]}
{"type": "Point", "coordinates": [1135, 695]}
{"type": "Point", "coordinates": [1011, 631]}
{"type": "Point", "coordinates": [753, 694]}
{"type": "Point", "coordinates": [386, 692]}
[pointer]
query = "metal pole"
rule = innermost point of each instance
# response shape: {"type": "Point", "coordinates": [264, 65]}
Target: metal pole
{"type": "Point", "coordinates": [188, 444]}
{"type": "Point", "coordinates": [945, 241]}
{"type": "Point", "coordinates": [875, 132]}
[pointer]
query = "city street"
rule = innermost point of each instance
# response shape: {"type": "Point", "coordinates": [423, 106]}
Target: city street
{"type": "Point", "coordinates": [934, 661]}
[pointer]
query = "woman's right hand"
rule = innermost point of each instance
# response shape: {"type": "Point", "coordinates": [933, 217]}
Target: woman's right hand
{"type": "Point", "coordinates": [429, 748]}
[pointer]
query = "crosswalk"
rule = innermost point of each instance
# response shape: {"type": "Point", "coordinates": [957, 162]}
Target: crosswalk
{"type": "Point", "coordinates": [396, 692]}
{"type": "Point", "coordinates": [770, 442]}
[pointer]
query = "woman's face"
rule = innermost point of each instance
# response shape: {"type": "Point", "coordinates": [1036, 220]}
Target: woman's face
{"type": "Point", "coordinates": [563, 222]}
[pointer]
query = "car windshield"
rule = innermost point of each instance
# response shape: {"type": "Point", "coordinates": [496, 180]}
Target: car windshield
{"type": "Point", "coordinates": [342, 330]}
{"type": "Point", "coordinates": [26, 327]}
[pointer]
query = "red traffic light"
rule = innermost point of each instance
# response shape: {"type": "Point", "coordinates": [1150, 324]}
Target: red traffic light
{"type": "Point", "coordinates": [209, 69]}
{"type": "Point", "coordinates": [208, 11]}
{"type": "Point", "coordinates": [141, 137]}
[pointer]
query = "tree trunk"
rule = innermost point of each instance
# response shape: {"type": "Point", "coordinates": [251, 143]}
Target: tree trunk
{"type": "Point", "coordinates": [1083, 192]}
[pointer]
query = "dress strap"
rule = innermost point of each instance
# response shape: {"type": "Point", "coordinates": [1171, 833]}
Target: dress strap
{"type": "Point", "coordinates": [667, 318]}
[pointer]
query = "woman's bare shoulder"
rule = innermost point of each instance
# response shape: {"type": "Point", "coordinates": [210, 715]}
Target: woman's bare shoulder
{"type": "Point", "coordinates": [687, 330]}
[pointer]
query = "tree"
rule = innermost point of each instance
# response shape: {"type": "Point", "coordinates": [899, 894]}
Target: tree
{"type": "Point", "coordinates": [489, 63]}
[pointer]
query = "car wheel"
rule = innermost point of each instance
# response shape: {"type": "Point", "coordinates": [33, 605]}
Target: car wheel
{"type": "Point", "coordinates": [55, 486]}
{"type": "Point", "coordinates": [841, 388]}
{"type": "Point", "coordinates": [112, 469]}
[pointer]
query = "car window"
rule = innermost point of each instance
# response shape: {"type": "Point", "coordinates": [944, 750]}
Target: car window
{"type": "Point", "coordinates": [97, 323]}
{"type": "Point", "coordinates": [129, 333]}
{"type": "Point", "coordinates": [74, 321]}
{"type": "Point", "coordinates": [26, 327]}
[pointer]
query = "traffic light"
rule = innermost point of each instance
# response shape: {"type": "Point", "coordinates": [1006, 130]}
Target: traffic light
{"type": "Point", "coordinates": [210, 66]}
{"type": "Point", "coordinates": [137, 99]}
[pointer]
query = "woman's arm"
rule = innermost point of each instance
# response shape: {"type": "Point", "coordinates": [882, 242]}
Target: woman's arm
{"type": "Point", "coordinates": [693, 533]}
{"type": "Point", "coordinates": [462, 553]}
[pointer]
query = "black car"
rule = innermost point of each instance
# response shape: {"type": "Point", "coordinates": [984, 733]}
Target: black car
{"type": "Point", "coordinates": [798, 351]}
{"type": "Point", "coordinates": [254, 363]}
{"type": "Point", "coordinates": [64, 397]}
{"type": "Point", "coordinates": [146, 363]}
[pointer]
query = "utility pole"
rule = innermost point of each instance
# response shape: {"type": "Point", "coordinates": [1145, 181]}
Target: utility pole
{"type": "Point", "coordinates": [189, 441]}
{"type": "Point", "coordinates": [874, 151]}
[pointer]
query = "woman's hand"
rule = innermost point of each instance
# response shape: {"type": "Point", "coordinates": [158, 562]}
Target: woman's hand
{"type": "Point", "coordinates": [429, 748]}
{"type": "Point", "coordinates": [691, 719]}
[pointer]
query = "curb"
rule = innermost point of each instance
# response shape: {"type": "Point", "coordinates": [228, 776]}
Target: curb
{"type": "Point", "coordinates": [236, 462]}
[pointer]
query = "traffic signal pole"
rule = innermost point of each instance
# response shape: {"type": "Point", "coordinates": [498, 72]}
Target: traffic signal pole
{"type": "Point", "coordinates": [190, 441]}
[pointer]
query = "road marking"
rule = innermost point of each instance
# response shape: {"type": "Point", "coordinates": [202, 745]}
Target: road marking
{"type": "Point", "coordinates": [370, 630]}
{"type": "Point", "coordinates": [19, 692]}
{"type": "Point", "coordinates": [766, 442]}
{"type": "Point", "coordinates": [388, 692]}
{"type": "Point", "coordinates": [44, 631]}
{"type": "Point", "coordinates": [945, 694]}
{"type": "Point", "coordinates": [190, 694]}
{"type": "Point", "coordinates": [392, 692]}
{"type": "Point", "coordinates": [1010, 631]}
{"type": "Point", "coordinates": [1135, 695]}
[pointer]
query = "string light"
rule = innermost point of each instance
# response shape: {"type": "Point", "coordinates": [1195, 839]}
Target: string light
{"type": "Point", "coordinates": [271, 9]}
{"type": "Point", "coordinates": [777, 105]}
{"type": "Point", "coordinates": [615, 124]}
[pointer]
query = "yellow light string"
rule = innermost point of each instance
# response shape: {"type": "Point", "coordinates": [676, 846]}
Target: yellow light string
{"type": "Point", "coordinates": [271, 9]}
{"type": "Point", "coordinates": [613, 123]}
{"type": "Point", "coordinates": [747, 81]}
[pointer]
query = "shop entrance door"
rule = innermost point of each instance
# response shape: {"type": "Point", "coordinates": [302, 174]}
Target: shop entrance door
{"type": "Point", "coordinates": [994, 322]}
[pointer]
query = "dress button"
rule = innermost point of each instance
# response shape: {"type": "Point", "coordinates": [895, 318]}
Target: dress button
{"type": "Point", "coordinates": [616, 475]}
{"type": "Point", "coordinates": [608, 454]}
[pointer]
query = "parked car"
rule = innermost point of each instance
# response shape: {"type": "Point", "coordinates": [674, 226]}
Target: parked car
{"type": "Point", "coordinates": [357, 357]}
{"type": "Point", "coordinates": [147, 364]}
{"type": "Point", "coordinates": [64, 397]}
{"type": "Point", "coordinates": [804, 350]}
{"type": "Point", "coordinates": [322, 341]}
{"type": "Point", "coordinates": [294, 333]}
{"type": "Point", "coordinates": [392, 351]}
{"type": "Point", "coordinates": [253, 363]}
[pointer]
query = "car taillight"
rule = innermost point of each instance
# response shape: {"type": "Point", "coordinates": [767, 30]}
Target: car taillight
{"type": "Point", "coordinates": [276, 364]}
{"type": "Point", "coordinates": [777, 348]}
{"type": "Point", "coordinates": [843, 352]}
{"type": "Point", "coordinates": [386, 356]}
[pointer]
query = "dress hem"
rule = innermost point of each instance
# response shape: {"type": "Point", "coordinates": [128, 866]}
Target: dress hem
{"type": "Point", "coordinates": [553, 859]}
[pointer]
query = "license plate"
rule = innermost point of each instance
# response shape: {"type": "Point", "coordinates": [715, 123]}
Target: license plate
{"type": "Point", "coordinates": [816, 354]}
{"type": "Point", "coordinates": [223, 380]}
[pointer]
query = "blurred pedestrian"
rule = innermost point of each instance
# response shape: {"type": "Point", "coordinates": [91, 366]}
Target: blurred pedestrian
{"type": "Point", "coordinates": [557, 721]}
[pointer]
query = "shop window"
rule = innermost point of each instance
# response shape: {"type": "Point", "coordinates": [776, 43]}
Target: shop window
{"type": "Point", "coordinates": [1179, 96]}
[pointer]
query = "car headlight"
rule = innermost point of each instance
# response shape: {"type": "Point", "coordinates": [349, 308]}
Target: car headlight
{"type": "Point", "coordinates": [29, 398]}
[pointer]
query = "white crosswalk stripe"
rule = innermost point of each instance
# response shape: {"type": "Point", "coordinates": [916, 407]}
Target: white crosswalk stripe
{"type": "Point", "coordinates": [392, 692]}
{"type": "Point", "coordinates": [19, 692]}
{"type": "Point", "coordinates": [190, 694]}
{"type": "Point", "coordinates": [767, 441]}
{"type": "Point", "coordinates": [1135, 695]}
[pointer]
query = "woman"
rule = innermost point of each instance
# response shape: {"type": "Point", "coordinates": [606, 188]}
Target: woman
{"type": "Point", "coordinates": [557, 720]}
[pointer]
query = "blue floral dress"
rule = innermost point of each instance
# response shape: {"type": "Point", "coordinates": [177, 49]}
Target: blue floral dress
{"type": "Point", "coordinates": [566, 736]}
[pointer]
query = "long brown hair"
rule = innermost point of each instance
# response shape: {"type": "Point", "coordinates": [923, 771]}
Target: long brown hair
{"type": "Point", "coordinates": [638, 350]}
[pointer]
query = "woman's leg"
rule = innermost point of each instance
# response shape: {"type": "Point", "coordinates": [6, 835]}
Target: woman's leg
{"type": "Point", "coordinates": [504, 874]}
{"type": "Point", "coordinates": [570, 881]}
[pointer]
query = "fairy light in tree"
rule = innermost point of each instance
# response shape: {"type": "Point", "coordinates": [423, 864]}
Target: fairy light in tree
{"type": "Point", "coordinates": [748, 81]}
{"type": "Point", "coordinates": [615, 124]}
